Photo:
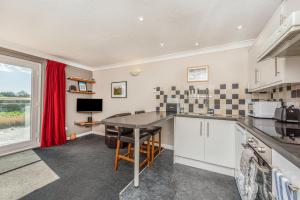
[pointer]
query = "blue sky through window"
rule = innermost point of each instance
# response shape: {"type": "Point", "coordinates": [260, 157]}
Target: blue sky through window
{"type": "Point", "coordinates": [15, 78]}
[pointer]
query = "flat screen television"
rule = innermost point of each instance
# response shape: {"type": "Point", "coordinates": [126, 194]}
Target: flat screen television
{"type": "Point", "coordinates": [89, 105]}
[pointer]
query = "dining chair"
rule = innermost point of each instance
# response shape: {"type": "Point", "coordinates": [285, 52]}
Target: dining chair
{"type": "Point", "coordinates": [154, 130]}
{"type": "Point", "coordinates": [111, 132]}
{"type": "Point", "coordinates": [129, 138]}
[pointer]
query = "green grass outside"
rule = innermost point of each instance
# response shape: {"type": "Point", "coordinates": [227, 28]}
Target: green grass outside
{"type": "Point", "coordinates": [12, 114]}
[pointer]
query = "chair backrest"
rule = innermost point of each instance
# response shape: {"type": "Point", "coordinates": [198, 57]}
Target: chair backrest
{"type": "Point", "coordinates": [114, 127]}
{"type": "Point", "coordinates": [139, 112]}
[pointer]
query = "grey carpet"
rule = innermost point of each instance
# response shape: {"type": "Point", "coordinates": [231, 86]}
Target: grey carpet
{"type": "Point", "coordinates": [85, 168]}
{"type": "Point", "coordinates": [178, 182]}
{"type": "Point", "coordinates": [17, 160]}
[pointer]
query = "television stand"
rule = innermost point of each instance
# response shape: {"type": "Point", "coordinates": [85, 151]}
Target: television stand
{"type": "Point", "coordinates": [92, 123]}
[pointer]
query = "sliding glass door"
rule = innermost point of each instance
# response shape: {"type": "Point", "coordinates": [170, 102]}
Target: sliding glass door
{"type": "Point", "coordinates": [20, 82]}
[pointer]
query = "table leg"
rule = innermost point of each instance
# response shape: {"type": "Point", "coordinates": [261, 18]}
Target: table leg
{"type": "Point", "coordinates": [136, 156]}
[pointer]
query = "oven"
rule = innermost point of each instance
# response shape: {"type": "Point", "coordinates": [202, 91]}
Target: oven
{"type": "Point", "coordinates": [257, 180]}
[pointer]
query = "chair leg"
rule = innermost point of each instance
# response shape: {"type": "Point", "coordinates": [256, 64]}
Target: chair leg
{"type": "Point", "coordinates": [117, 155]}
{"type": "Point", "coordinates": [148, 152]}
{"type": "Point", "coordinates": [152, 148]}
{"type": "Point", "coordinates": [159, 142]}
{"type": "Point", "coordinates": [129, 150]}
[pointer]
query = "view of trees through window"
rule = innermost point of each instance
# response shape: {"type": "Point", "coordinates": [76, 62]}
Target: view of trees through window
{"type": "Point", "coordinates": [15, 104]}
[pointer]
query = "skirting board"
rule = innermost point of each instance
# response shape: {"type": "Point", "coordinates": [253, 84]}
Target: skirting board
{"type": "Point", "coordinates": [204, 165]}
{"type": "Point", "coordinates": [167, 146]}
{"type": "Point", "coordinates": [82, 134]}
{"type": "Point", "coordinates": [98, 133]}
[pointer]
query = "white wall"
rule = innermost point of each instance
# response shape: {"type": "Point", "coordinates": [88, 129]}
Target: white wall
{"type": "Point", "coordinates": [224, 67]}
{"type": "Point", "coordinates": [72, 115]}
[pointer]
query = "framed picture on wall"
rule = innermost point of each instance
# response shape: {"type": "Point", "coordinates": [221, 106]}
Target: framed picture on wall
{"type": "Point", "coordinates": [82, 86]}
{"type": "Point", "coordinates": [195, 74]}
{"type": "Point", "coordinates": [119, 89]}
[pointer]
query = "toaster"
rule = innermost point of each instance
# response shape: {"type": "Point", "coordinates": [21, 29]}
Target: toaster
{"type": "Point", "coordinates": [172, 108]}
{"type": "Point", "coordinates": [287, 114]}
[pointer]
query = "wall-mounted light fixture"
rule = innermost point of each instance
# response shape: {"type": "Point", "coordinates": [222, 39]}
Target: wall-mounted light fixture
{"type": "Point", "coordinates": [135, 71]}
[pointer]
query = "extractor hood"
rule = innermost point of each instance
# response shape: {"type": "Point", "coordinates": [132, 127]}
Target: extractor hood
{"type": "Point", "coordinates": [285, 41]}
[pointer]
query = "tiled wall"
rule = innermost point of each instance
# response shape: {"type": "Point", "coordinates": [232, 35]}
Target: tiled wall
{"type": "Point", "coordinates": [227, 98]}
{"type": "Point", "coordinates": [287, 93]}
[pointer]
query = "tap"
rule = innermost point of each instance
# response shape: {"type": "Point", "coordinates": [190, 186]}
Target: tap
{"type": "Point", "coordinates": [206, 103]}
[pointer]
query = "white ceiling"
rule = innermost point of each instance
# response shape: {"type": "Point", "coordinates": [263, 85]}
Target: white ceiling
{"type": "Point", "coordinates": [98, 33]}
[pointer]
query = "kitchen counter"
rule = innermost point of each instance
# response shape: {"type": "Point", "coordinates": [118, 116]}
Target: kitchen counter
{"type": "Point", "coordinates": [143, 120]}
{"type": "Point", "coordinates": [290, 151]}
{"type": "Point", "coordinates": [209, 116]}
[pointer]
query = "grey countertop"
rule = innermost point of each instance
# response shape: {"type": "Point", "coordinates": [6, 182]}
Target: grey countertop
{"type": "Point", "coordinates": [153, 118]}
{"type": "Point", "coordinates": [209, 116]}
{"type": "Point", "coordinates": [290, 151]}
{"type": "Point", "coordinates": [143, 120]}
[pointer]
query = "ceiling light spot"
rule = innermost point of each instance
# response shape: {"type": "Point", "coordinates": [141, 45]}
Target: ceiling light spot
{"type": "Point", "coordinates": [162, 44]}
{"type": "Point", "coordinates": [141, 18]}
{"type": "Point", "coordinates": [197, 44]}
{"type": "Point", "coordinates": [239, 27]}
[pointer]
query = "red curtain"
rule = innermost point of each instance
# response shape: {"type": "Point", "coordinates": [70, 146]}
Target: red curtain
{"type": "Point", "coordinates": [53, 127]}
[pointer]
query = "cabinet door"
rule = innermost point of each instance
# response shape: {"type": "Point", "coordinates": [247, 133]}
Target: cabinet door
{"type": "Point", "coordinates": [251, 70]}
{"type": "Point", "coordinates": [220, 142]}
{"type": "Point", "coordinates": [270, 72]}
{"type": "Point", "coordinates": [189, 138]}
{"type": "Point", "coordinates": [287, 7]}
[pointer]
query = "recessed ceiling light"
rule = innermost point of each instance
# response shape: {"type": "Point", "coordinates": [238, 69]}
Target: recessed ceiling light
{"type": "Point", "coordinates": [162, 44]}
{"type": "Point", "coordinates": [196, 44]}
{"type": "Point", "coordinates": [239, 27]}
{"type": "Point", "coordinates": [141, 18]}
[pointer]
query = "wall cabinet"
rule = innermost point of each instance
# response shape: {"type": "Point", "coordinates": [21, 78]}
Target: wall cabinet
{"type": "Point", "coordinates": [208, 140]}
{"type": "Point", "coordinates": [274, 71]}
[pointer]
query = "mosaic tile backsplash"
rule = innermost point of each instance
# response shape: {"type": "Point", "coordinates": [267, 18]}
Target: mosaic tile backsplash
{"type": "Point", "coordinates": [287, 93]}
{"type": "Point", "coordinates": [227, 99]}
{"type": "Point", "coordinates": [230, 99]}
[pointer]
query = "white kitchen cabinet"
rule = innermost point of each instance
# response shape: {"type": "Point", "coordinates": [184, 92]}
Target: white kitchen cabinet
{"type": "Point", "coordinates": [207, 140]}
{"type": "Point", "coordinates": [262, 73]}
{"type": "Point", "coordinates": [189, 138]}
{"type": "Point", "coordinates": [220, 142]}
{"type": "Point", "coordinates": [288, 169]}
{"type": "Point", "coordinates": [273, 71]}
{"type": "Point", "coordinates": [287, 7]}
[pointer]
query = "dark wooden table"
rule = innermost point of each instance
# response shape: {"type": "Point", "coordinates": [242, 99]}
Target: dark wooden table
{"type": "Point", "coordinates": [137, 122]}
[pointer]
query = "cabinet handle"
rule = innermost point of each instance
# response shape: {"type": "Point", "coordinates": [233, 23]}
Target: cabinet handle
{"type": "Point", "coordinates": [207, 129]}
{"type": "Point", "coordinates": [201, 129]}
{"type": "Point", "coordinates": [276, 67]}
{"type": "Point", "coordinates": [257, 78]}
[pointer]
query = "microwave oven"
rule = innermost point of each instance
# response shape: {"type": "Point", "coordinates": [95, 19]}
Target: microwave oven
{"type": "Point", "coordinates": [263, 109]}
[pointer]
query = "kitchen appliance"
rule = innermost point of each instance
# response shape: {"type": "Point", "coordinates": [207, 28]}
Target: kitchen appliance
{"type": "Point", "coordinates": [285, 41]}
{"type": "Point", "coordinates": [172, 108]}
{"type": "Point", "coordinates": [263, 109]}
{"type": "Point", "coordinates": [263, 162]}
{"type": "Point", "coordinates": [287, 114]}
{"type": "Point", "coordinates": [282, 132]}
